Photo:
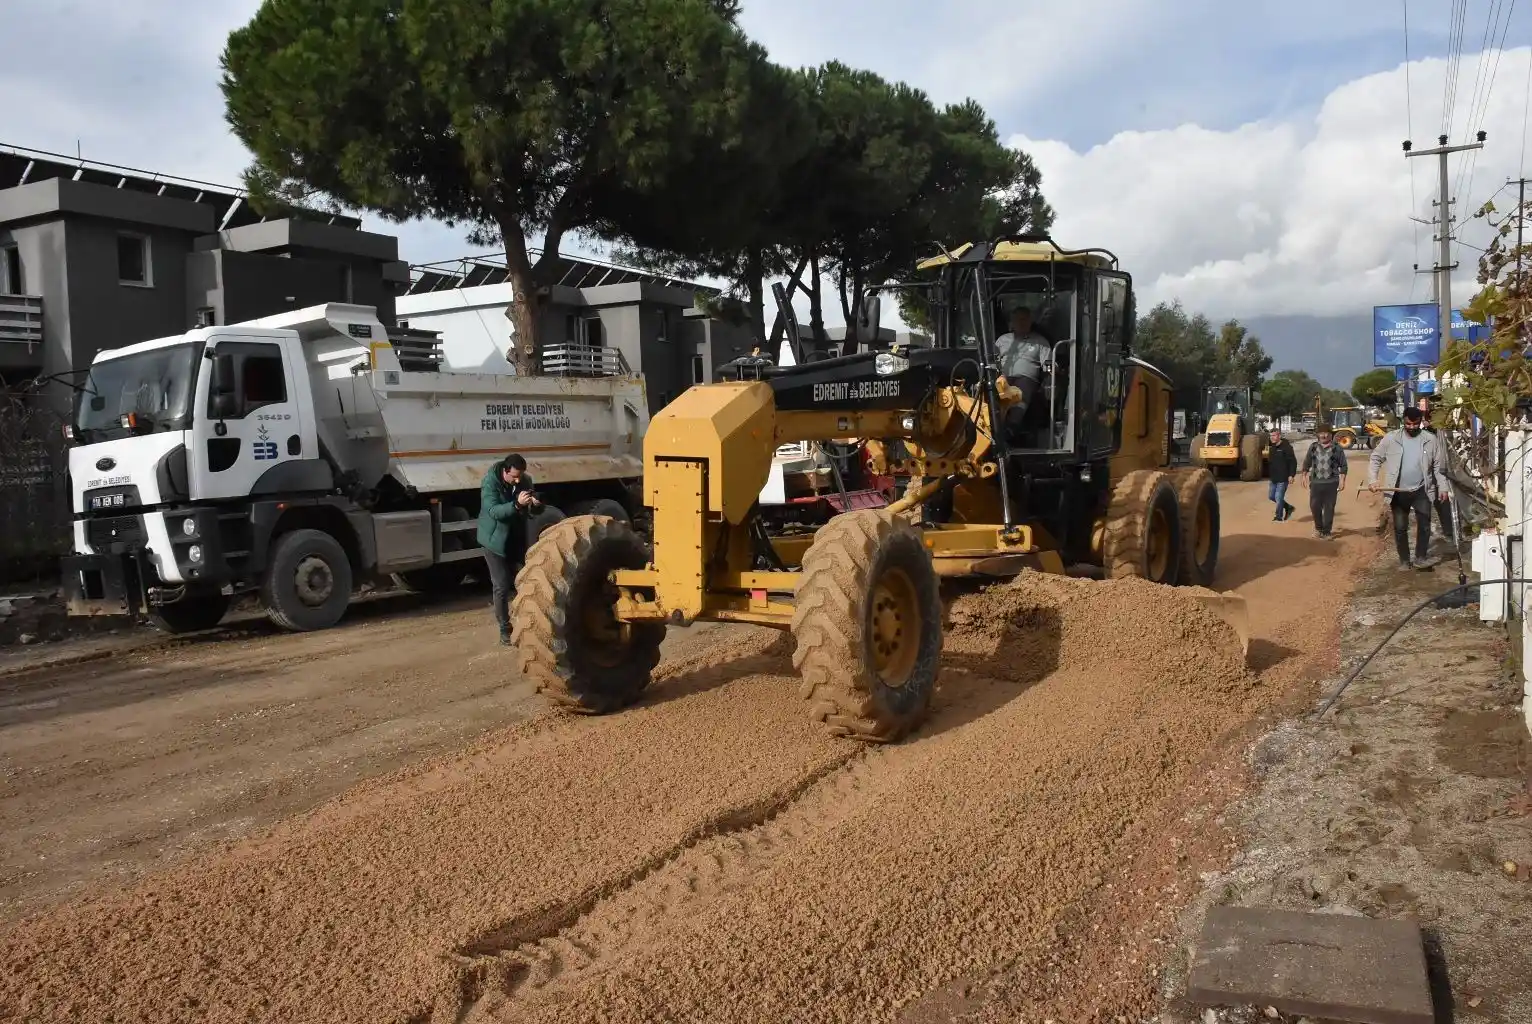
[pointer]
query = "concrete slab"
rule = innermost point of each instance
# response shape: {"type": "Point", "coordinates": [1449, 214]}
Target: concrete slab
{"type": "Point", "coordinates": [1319, 965]}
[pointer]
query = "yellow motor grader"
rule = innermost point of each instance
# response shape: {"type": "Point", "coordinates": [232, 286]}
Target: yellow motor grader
{"type": "Point", "coordinates": [1079, 475]}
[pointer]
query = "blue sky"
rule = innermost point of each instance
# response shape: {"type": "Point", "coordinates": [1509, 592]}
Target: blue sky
{"type": "Point", "coordinates": [1241, 157]}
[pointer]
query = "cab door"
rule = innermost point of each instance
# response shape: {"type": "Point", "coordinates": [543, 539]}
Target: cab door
{"type": "Point", "coordinates": [1111, 321]}
{"type": "Point", "coordinates": [250, 424]}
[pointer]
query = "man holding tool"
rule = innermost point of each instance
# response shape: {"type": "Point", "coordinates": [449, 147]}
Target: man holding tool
{"type": "Point", "coordinates": [1407, 465]}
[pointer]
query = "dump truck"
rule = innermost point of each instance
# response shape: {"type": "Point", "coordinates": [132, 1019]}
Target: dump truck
{"type": "Point", "coordinates": [996, 484]}
{"type": "Point", "coordinates": [298, 456]}
{"type": "Point", "coordinates": [1230, 444]}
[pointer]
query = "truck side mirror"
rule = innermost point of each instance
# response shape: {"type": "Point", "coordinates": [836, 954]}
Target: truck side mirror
{"type": "Point", "coordinates": [223, 403]}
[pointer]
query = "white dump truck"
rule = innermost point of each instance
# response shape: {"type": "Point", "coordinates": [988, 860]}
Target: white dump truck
{"type": "Point", "coordinates": [298, 456]}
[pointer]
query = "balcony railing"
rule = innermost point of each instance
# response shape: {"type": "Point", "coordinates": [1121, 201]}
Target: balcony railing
{"type": "Point", "coordinates": [21, 320]}
{"type": "Point", "coordinates": [584, 361]}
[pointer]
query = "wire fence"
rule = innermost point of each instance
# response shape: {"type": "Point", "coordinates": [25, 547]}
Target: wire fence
{"type": "Point", "coordinates": [34, 489]}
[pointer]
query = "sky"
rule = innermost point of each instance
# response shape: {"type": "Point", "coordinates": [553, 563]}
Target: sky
{"type": "Point", "coordinates": [1244, 159]}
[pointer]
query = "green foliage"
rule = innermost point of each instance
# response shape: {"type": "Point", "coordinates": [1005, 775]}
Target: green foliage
{"type": "Point", "coordinates": [1376, 387]}
{"type": "Point", "coordinates": [510, 117]}
{"type": "Point", "coordinates": [1195, 355]}
{"type": "Point", "coordinates": [1492, 379]}
{"type": "Point", "coordinates": [1284, 396]}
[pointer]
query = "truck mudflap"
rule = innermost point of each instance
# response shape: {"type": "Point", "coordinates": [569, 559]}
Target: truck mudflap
{"type": "Point", "coordinates": [112, 584]}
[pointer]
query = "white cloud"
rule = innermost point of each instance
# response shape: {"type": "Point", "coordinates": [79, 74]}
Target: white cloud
{"type": "Point", "coordinates": [1299, 216]}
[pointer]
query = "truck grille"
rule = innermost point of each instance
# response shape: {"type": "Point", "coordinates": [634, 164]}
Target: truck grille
{"type": "Point", "coordinates": [114, 533]}
{"type": "Point", "coordinates": [1218, 439]}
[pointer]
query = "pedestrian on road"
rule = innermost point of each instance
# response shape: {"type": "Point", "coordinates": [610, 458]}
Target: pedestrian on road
{"type": "Point", "coordinates": [1444, 508]}
{"type": "Point", "coordinates": [1281, 467]}
{"type": "Point", "coordinates": [507, 504]}
{"type": "Point", "coordinates": [1324, 473]}
{"type": "Point", "coordinates": [1408, 461]}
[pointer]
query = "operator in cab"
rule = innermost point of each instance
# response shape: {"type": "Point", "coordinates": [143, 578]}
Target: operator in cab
{"type": "Point", "coordinates": [1022, 354]}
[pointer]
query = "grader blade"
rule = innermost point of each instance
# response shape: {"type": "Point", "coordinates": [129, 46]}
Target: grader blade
{"type": "Point", "coordinates": [1229, 607]}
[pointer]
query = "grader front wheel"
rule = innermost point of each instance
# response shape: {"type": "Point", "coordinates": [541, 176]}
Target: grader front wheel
{"type": "Point", "coordinates": [1143, 528]}
{"type": "Point", "coordinates": [567, 639]}
{"type": "Point", "coordinates": [867, 626]}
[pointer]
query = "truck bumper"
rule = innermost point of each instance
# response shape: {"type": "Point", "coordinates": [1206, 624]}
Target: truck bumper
{"type": "Point", "coordinates": [114, 584]}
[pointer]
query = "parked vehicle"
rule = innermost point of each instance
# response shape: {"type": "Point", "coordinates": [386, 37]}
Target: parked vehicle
{"type": "Point", "coordinates": [296, 456]}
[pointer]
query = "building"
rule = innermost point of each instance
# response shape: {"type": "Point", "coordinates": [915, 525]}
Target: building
{"type": "Point", "coordinates": [95, 256]}
{"type": "Point", "coordinates": [601, 318]}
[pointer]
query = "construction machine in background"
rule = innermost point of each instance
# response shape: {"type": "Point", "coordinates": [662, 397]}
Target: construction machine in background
{"type": "Point", "coordinates": [993, 486]}
{"type": "Point", "coordinates": [1230, 444]}
{"type": "Point", "coordinates": [1350, 425]}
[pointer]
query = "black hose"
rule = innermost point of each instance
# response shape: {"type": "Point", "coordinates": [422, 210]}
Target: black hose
{"type": "Point", "coordinates": [1330, 701]}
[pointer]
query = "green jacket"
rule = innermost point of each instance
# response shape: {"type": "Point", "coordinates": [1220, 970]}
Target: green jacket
{"type": "Point", "coordinates": [498, 511]}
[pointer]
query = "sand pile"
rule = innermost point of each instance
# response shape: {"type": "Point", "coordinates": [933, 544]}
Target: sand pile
{"type": "Point", "coordinates": [1037, 624]}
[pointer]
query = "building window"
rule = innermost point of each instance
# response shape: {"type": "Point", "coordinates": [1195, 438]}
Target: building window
{"type": "Point", "coordinates": [206, 317]}
{"type": "Point", "coordinates": [133, 264]}
{"type": "Point", "coordinates": [663, 334]}
{"type": "Point", "coordinates": [699, 375]}
{"type": "Point", "coordinates": [10, 270]}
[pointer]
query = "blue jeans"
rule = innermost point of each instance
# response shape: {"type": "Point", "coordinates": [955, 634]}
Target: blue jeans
{"type": "Point", "coordinates": [1278, 496]}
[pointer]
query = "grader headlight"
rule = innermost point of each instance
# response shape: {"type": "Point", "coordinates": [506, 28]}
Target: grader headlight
{"type": "Point", "coordinates": [887, 363]}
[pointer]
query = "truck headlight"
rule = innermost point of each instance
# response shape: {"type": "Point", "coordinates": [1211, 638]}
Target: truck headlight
{"type": "Point", "coordinates": [194, 553]}
{"type": "Point", "coordinates": [886, 363]}
{"type": "Point", "coordinates": [907, 423]}
{"type": "Point", "coordinates": [189, 527]}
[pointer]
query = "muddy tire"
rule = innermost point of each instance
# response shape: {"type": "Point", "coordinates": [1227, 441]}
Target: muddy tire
{"type": "Point", "coordinates": [608, 507]}
{"type": "Point", "coordinates": [1250, 457]}
{"type": "Point", "coordinates": [192, 613]}
{"type": "Point", "coordinates": [1197, 498]}
{"type": "Point", "coordinates": [568, 643]}
{"type": "Point", "coordinates": [1143, 528]}
{"type": "Point", "coordinates": [307, 584]}
{"type": "Point", "coordinates": [868, 627]}
{"type": "Point", "coordinates": [1194, 451]}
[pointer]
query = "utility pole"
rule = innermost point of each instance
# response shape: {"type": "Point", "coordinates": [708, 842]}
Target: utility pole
{"type": "Point", "coordinates": [1444, 265]}
{"type": "Point", "coordinates": [1521, 206]}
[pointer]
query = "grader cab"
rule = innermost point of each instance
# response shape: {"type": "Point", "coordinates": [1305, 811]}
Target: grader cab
{"type": "Point", "coordinates": [994, 486]}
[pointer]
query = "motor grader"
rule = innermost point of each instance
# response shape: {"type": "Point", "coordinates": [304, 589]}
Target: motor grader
{"type": "Point", "coordinates": [1076, 476]}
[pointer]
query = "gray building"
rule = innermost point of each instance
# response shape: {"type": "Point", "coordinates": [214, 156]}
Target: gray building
{"type": "Point", "coordinates": [95, 256]}
{"type": "Point", "coordinates": [600, 317]}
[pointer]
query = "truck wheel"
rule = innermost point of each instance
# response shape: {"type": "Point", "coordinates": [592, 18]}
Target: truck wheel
{"type": "Point", "coordinates": [308, 581]}
{"type": "Point", "coordinates": [445, 577]}
{"type": "Point", "coordinates": [1197, 498]}
{"type": "Point", "coordinates": [600, 507]}
{"type": "Point", "coordinates": [868, 626]}
{"type": "Point", "coordinates": [568, 641]}
{"type": "Point", "coordinates": [190, 614]}
{"type": "Point", "coordinates": [1143, 528]}
{"type": "Point", "coordinates": [1250, 462]}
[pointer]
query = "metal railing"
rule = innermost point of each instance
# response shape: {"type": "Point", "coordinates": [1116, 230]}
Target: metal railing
{"type": "Point", "coordinates": [21, 320]}
{"type": "Point", "coordinates": [584, 361]}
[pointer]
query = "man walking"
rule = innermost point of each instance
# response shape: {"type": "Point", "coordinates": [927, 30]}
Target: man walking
{"type": "Point", "coordinates": [507, 504]}
{"type": "Point", "coordinates": [1324, 473]}
{"type": "Point", "coordinates": [1281, 467]}
{"type": "Point", "coordinates": [1408, 462]}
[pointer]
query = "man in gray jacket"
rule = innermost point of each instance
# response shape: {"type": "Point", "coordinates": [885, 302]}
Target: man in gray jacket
{"type": "Point", "coordinates": [1408, 461]}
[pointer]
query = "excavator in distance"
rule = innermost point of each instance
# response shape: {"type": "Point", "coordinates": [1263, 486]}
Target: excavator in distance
{"type": "Point", "coordinates": [995, 486]}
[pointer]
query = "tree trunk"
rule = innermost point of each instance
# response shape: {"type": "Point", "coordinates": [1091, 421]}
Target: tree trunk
{"type": "Point", "coordinates": [754, 281]}
{"type": "Point", "coordinates": [816, 307]}
{"type": "Point", "coordinates": [525, 310]}
{"type": "Point", "coordinates": [779, 326]}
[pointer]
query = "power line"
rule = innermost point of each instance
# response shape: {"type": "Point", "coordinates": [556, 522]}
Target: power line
{"type": "Point", "coordinates": [1409, 122]}
{"type": "Point", "coordinates": [1491, 24]}
{"type": "Point", "coordinates": [1522, 172]}
{"type": "Point", "coordinates": [1489, 89]}
{"type": "Point", "coordinates": [1454, 63]}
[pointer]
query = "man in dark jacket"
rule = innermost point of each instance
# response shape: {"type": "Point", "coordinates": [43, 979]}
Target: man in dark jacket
{"type": "Point", "coordinates": [1324, 470]}
{"type": "Point", "coordinates": [507, 505]}
{"type": "Point", "coordinates": [1281, 467]}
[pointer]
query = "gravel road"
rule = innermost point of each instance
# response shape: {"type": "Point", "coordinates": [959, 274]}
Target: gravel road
{"type": "Point", "coordinates": [378, 824]}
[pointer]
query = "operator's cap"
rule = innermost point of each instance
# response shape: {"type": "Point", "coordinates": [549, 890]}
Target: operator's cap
{"type": "Point", "coordinates": [1413, 414]}
{"type": "Point", "coordinates": [1323, 428]}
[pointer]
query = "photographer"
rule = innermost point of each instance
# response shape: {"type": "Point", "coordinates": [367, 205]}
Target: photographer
{"type": "Point", "coordinates": [507, 506]}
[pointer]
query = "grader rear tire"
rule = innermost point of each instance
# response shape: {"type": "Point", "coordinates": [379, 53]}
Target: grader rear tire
{"type": "Point", "coordinates": [1250, 457]}
{"type": "Point", "coordinates": [868, 627]}
{"type": "Point", "coordinates": [1201, 525]}
{"type": "Point", "coordinates": [568, 641]}
{"type": "Point", "coordinates": [1143, 528]}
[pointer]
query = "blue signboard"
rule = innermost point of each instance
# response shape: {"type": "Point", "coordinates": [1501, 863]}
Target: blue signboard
{"type": "Point", "coordinates": [1406, 335]}
{"type": "Point", "coordinates": [1467, 330]}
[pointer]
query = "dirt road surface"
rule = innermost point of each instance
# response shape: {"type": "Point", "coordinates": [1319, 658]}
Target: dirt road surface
{"type": "Point", "coordinates": [708, 855]}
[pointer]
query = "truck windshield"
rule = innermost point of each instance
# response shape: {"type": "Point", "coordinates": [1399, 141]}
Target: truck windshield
{"type": "Point", "coordinates": [138, 394]}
